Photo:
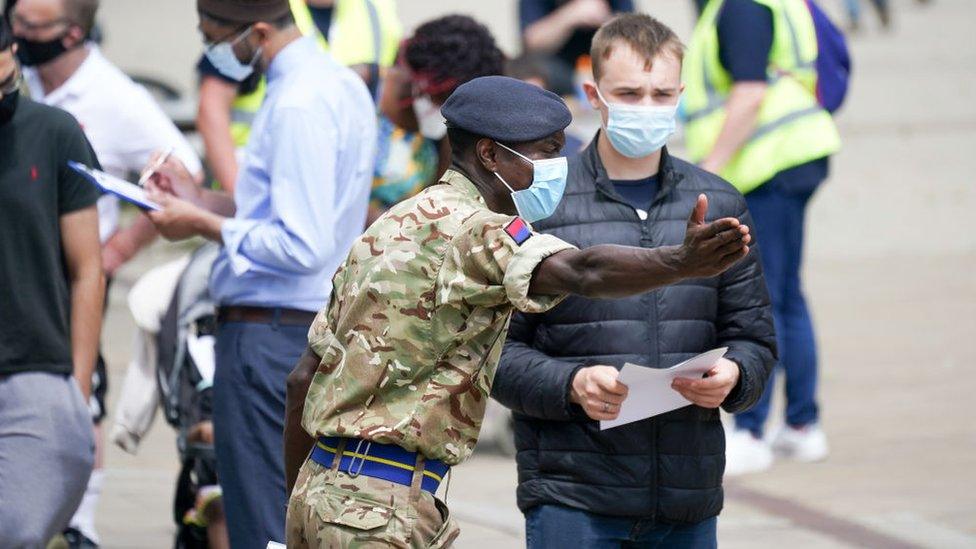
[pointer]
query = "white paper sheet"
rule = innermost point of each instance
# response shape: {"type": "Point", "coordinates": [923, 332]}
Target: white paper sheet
{"type": "Point", "coordinates": [649, 389]}
{"type": "Point", "coordinates": [121, 188]}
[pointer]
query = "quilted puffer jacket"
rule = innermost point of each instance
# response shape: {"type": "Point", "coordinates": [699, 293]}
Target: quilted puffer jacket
{"type": "Point", "coordinates": [669, 467]}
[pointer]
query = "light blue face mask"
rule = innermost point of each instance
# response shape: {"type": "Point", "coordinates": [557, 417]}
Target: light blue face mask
{"type": "Point", "coordinates": [638, 130]}
{"type": "Point", "coordinates": [224, 60]}
{"type": "Point", "coordinates": [540, 199]}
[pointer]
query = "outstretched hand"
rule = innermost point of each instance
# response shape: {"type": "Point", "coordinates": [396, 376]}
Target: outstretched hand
{"type": "Point", "coordinates": [711, 248]}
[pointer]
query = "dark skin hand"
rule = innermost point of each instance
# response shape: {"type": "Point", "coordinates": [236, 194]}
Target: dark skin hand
{"type": "Point", "coordinates": [298, 443]}
{"type": "Point", "coordinates": [603, 271]}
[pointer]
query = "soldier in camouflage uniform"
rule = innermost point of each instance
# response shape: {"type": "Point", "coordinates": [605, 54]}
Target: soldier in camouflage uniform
{"type": "Point", "coordinates": [392, 389]}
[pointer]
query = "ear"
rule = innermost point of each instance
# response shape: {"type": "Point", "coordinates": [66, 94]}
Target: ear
{"type": "Point", "coordinates": [682, 88]}
{"type": "Point", "coordinates": [589, 88]}
{"type": "Point", "coordinates": [75, 35]}
{"type": "Point", "coordinates": [263, 32]}
{"type": "Point", "coordinates": [485, 151]}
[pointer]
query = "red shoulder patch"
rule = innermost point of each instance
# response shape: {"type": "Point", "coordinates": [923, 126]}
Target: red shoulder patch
{"type": "Point", "coordinates": [518, 230]}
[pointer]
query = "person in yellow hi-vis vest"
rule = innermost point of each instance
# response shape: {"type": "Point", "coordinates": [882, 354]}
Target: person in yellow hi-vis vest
{"type": "Point", "coordinates": [752, 117]}
{"type": "Point", "coordinates": [361, 34]}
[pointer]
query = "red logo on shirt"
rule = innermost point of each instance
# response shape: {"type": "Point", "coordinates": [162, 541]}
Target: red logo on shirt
{"type": "Point", "coordinates": [33, 173]}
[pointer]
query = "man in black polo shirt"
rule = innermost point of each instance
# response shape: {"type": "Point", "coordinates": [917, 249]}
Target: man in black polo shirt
{"type": "Point", "coordinates": [51, 292]}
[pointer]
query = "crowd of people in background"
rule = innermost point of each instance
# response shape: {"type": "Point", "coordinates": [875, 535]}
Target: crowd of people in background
{"type": "Point", "coordinates": [317, 118]}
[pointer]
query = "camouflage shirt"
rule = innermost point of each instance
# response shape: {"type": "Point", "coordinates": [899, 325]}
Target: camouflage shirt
{"type": "Point", "coordinates": [419, 311]}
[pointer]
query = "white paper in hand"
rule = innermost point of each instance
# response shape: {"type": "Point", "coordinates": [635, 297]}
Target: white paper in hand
{"type": "Point", "coordinates": [130, 192]}
{"type": "Point", "coordinates": [649, 391]}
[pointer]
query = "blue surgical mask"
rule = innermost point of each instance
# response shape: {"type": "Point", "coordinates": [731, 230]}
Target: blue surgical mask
{"type": "Point", "coordinates": [637, 131]}
{"type": "Point", "coordinates": [540, 199]}
{"type": "Point", "coordinates": [224, 60]}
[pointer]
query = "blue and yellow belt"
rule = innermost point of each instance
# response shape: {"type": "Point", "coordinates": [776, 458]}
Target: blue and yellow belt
{"type": "Point", "coordinates": [383, 461]}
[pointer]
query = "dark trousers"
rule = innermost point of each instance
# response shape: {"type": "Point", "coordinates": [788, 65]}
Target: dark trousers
{"type": "Point", "coordinates": [253, 361]}
{"type": "Point", "coordinates": [550, 526]}
{"type": "Point", "coordinates": [778, 211]}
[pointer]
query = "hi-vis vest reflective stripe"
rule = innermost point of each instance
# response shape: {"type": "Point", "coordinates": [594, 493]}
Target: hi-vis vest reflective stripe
{"type": "Point", "coordinates": [791, 128]}
{"type": "Point", "coordinates": [362, 32]}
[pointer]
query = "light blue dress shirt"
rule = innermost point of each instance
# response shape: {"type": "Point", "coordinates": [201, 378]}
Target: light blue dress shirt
{"type": "Point", "coordinates": [303, 187]}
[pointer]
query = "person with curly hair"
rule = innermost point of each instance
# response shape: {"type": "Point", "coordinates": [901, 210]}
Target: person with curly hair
{"type": "Point", "coordinates": [413, 152]}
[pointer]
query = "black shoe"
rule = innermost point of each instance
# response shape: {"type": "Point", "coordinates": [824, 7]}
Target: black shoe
{"type": "Point", "coordinates": [77, 540]}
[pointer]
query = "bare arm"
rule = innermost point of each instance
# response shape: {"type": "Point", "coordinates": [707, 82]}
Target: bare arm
{"type": "Point", "coordinates": [126, 243]}
{"type": "Point", "coordinates": [213, 122]}
{"type": "Point", "coordinates": [742, 110]}
{"type": "Point", "coordinates": [608, 271]}
{"type": "Point", "coordinates": [298, 443]}
{"type": "Point", "coordinates": [79, 236]}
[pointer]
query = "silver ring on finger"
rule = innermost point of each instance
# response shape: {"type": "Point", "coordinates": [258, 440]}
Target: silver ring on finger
{"type": "Point", "coordinates": [606, 407]}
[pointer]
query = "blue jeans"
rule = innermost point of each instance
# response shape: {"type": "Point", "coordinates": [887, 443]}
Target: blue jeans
{"type": "Point", "coordinates": [778, 211]}
{"type": "Point", "coordinates": [555, 526]}
{"type": "Point", "coordinates": [253, 361]}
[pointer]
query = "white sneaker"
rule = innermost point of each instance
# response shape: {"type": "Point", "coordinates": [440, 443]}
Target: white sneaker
{"type": "Point", "coordinates": [807, 444]}
{"type": "Point", "coordinates": [745, 453]}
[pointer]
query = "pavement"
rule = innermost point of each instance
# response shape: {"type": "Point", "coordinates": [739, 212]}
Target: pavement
{"type": "Point", "coordinates": [890, 256]}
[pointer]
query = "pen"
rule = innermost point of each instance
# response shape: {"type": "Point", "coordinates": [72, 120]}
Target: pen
{"type": "Point", "coordinates": [148, 173]}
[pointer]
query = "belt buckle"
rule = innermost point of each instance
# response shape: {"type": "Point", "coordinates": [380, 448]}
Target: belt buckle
{"type": "Point", "coordinates": [362, 460]}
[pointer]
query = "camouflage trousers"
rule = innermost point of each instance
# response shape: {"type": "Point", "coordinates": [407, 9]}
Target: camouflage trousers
{"type": "Point", "coordinates": [330, 509]}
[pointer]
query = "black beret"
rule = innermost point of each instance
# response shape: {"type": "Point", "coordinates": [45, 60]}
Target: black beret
{"type": "Point", "coordinates": [505, 109]}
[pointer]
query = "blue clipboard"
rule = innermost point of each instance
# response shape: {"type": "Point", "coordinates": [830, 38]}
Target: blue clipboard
{"type": "Point", "coordinates": [130, 192]}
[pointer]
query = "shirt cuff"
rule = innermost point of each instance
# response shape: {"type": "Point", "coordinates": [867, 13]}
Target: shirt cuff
{"type": "Point", "coordinates": [233, 232]}
{"type": "Point", "coordinates": [518, 276]}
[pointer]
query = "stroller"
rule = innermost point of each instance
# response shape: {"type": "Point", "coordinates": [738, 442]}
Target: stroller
{"type": "Point", "coordinates": [184, 376]}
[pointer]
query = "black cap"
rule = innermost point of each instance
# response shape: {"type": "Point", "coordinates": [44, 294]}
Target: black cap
{"type": "Point", "coordinates": [245, 11]}
{"type": "Point", "coordinates": [505, 109]}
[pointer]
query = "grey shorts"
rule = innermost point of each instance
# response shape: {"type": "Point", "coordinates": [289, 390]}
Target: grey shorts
{"type": "Point", "coordinates": [47, 449]}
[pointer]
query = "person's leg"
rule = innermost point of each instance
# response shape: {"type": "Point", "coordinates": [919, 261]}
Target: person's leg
{"type": "Point", "coordinates": [83, 521]}
{"type": "Point", "coordinates": [799, 352]}
{"type": "Point", "coordinates": [884, 12]}
{"type": "Point", "coordinates": [46, 455]}
{"type": "Point", "coordinates": [253, 362]}
{"type": "Point", "coordinates": [557, 526]}
{"type": "Point", "coordinates": [230, 421]}
{"type": "Point", "coordinates": [766, 204]}
{"type": "Point", "coordinates": [853, 12]}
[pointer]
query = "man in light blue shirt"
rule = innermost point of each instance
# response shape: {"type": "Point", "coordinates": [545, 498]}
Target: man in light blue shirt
{"type": "Point", "coordinates": [301, 199]}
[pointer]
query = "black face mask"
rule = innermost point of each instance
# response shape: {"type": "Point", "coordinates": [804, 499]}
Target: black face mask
{"type": "Point", "coordinates": [31, 53]}
{"type": "Point", "coordinates": [8, 106]}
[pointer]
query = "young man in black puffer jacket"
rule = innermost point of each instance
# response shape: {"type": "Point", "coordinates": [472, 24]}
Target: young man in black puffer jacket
{"type": "Point", "coordinates": [658, 481]}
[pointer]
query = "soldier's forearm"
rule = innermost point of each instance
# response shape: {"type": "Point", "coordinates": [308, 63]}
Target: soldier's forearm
{"type": "Point", "coordinates": [607, 271]}
{"type": "Point", "coordinates": [297, 442]}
